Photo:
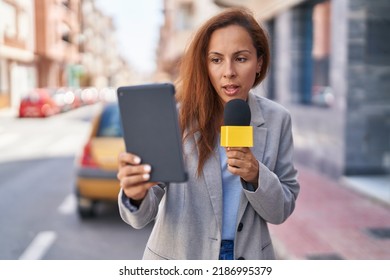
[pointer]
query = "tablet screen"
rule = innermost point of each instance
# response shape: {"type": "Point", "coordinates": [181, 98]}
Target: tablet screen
{"type": "Point", "coordinates": [151, 129]}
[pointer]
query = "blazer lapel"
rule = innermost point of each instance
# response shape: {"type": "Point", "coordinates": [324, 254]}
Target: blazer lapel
{"type": "Point", "coordinates": [259, 131]}
{"type": "Point", "coordinates": [213, 180]}
{"type": "Point", "coordinates": [259, 141]}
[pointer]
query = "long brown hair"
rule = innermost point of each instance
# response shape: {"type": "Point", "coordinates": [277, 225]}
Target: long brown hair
{"type": "Point", "coordinates": [201, 109]}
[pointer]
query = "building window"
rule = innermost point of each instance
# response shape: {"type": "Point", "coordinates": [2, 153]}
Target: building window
{"type": "Point", "coordinates": [66, 3]}
{"type": "Point", "coordinates": [378, 47]}
{"type": "Point", "coordinates": [184, 16]}
{"type": "Point", "coordinates": [65, 32]}
{"type": "Point", "coordinates": [311, 54]}
{"type": "Point", "coordinates": [271, 76]}
{"type": "Point", "coordinates": [24, 26]}
{"type": "Point", "coordinates": [14, 24]}
{"type": "Point", "coordinates": [321, 93]}
{"type": "Point", "coordinates": [9, 20]}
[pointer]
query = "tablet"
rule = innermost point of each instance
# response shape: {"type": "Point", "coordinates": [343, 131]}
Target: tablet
{"type": "Point", "coordinates": [151, 129]}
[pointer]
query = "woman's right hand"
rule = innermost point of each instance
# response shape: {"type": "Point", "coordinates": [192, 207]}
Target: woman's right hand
{"type": "Point", "coordinates": [134, 177]}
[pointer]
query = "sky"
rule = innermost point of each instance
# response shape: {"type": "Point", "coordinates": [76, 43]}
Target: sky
{"type": "Point", "coordinates": [137, 25]}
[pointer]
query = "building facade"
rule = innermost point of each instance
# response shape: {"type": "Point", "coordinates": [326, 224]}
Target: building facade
{"type": "Point", "coordinates": [181, 18]}
{"type": "Point", "coordinates": [57, 43]}
{"type": "Point", "coordinates": [102, 64]}
{"type": "Point", "coordinates": [57, 32]}
{"type": "Point", "coordinates": [17, 47]}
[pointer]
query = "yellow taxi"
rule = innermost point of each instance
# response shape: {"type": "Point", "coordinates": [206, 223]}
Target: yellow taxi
{"type": "Point", "coordinates": [97, 164]}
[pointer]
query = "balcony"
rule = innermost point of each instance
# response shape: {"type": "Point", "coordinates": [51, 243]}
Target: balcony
{"type": "Point", "coordinates": [263, 9]}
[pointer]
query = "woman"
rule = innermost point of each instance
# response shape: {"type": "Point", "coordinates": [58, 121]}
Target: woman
{"type": "Point", "coordinates": [232, 193]}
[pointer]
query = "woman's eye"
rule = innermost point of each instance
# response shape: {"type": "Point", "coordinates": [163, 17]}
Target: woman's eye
{"type": "Point", "coordinates": [241, 59]}
{"type": "Point", "coordinates": [215, 60]}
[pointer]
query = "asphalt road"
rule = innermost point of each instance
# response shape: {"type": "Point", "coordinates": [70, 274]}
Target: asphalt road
{"type": "Point", "coordinates": [37, 204]}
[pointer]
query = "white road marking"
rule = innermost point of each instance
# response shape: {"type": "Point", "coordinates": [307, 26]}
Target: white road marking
{"type": "Point", "coordinates": [68, 206]}
{"type": "Point", "coordinates": [68, 145]}
{"type": "Point", "coordinates": [39, 246]}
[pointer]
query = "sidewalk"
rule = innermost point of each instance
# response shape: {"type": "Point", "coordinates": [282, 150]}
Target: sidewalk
{"type": "Point", "coordinates": [334, 220]}
{"type": "Point", "coordinates": [8, 112]}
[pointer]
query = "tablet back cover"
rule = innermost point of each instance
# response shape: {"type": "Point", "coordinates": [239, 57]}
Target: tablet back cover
{"type": "Point", "coordinates": [151, 129]}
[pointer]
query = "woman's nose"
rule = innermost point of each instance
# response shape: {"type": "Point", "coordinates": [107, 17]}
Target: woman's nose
{"type": "Point", "coordinates": [229, 71]}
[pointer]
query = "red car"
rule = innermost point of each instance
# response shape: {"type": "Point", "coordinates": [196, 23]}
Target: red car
{"type": "Point", "coordinates": [38, 103]}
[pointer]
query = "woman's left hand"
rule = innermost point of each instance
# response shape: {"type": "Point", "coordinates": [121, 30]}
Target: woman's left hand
{"type": "Point", "coordinates": [243, 163]}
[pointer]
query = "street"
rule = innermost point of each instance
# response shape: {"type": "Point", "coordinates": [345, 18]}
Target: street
{"type": "Point", "coordinates": [37, 203]}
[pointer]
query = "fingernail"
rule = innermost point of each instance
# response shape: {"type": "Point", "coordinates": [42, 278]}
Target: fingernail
{"type": "Point", "coordinates": [146, 176]}
{"type": "Point", "coordinates": [147, 168]}
{"type": "Point", "coordinates": [137, 160]}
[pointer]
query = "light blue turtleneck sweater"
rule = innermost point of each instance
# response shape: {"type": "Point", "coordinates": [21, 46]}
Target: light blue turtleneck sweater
{"type": "Point", "coordinates": [231, 190]}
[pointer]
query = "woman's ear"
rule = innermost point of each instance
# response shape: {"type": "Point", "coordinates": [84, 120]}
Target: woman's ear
{"type": "Point", "coordinates": [259, 64]}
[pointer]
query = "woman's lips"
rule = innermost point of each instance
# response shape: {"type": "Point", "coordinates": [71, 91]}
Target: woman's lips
{"type": "Point", "coordinates": [231, 89]}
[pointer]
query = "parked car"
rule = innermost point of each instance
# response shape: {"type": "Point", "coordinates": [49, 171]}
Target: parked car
{"type": "Point", "coordinates": [38, 103]}
{"type": "Point", "coordinates": [97, 165]}
{"type": "Point", "coordinates": [89, 95]}
{"type": "Point", "coordinates": [66, 99]}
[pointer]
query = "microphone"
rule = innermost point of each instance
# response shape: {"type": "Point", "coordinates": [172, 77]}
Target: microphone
{"type": "Point", "coordinates": [236, 131]}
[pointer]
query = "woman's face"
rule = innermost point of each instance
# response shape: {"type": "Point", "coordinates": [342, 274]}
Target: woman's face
{"type": "Point", "coordinates": [232, 62]}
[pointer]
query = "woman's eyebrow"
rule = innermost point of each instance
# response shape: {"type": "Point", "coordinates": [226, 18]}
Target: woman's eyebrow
{"type": "Point", "coordinates": [235, 53]}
